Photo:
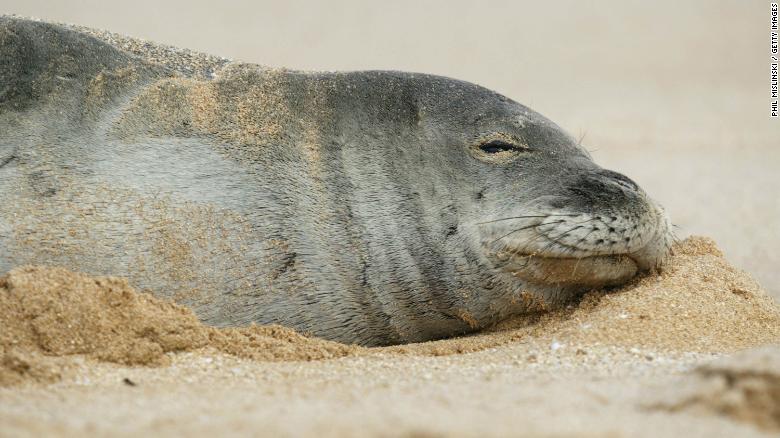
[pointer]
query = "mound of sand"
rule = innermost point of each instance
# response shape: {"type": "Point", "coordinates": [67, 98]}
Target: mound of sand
{"type": "Point", "coordinates": [699, 303]}
{"type": "Point", "coordinates": [55, 312]}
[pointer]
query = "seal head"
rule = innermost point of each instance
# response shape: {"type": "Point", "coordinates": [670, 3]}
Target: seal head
{"type": "Point", "coordinates": [534, 214]}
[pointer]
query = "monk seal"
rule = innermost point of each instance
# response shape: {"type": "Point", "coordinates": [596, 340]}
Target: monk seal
{"type": "Point", "coordinates": [373, 207]}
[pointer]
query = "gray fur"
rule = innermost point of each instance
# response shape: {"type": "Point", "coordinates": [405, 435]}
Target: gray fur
{"type": "Point", "coordinates": [353, 206]}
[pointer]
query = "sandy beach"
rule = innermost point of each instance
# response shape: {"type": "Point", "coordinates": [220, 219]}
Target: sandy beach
{"type": "Point", "coordinates": [675, 96]}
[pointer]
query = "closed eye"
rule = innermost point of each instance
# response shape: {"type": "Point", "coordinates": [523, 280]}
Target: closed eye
{"type": "Point", "coordinates": [497, 146]}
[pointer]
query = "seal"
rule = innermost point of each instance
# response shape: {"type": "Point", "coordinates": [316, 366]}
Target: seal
{"type": "Point", "coordinates": [373, 207]}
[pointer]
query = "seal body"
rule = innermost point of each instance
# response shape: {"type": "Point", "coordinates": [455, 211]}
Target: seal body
{"type": "Point", "coordinates": [365, 207]}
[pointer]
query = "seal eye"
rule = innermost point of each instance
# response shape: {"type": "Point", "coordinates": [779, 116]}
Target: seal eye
{"type": "Point", "coordinates": [497, 146]}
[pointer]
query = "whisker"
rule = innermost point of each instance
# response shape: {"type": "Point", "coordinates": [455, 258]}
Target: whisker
{"type": "Point", "coordinates": [579, 225]}
{"type": "Point", "coordinates": [564, 234]}
{"type": "Point", "coordinates": [556, 239]}
{"type": "Point", "coordinates": [527, 217]}
{"type": "Point", "coordinates": [582, 137]}
{"type": "Point", "coordinates": [542, 235]}
{"type": "Point", "coordinates": [544, 249]}
{"type": "Point", "coordinates": [574, 270]}
{"type": "Point", "coordinates": [579, 259]}
{"type": "Point", "coordinates": [525, 228]}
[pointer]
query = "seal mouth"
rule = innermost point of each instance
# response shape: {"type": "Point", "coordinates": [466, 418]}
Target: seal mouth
{"type": "Point", "coordinates": [591, 271]}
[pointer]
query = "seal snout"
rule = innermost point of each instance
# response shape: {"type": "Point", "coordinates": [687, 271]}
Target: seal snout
{"type": "Point", "coordinates": [599, 230]}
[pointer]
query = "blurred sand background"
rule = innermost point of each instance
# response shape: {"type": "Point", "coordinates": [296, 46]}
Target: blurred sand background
{"type": "Point", "coordinates": [674, 94]}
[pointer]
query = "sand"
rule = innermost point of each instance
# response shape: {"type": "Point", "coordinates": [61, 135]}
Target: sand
{"type": "Point", "coordinates": [91, 354]}
{"type": "Point", "coordinates": [54, 312]}
{"type": "Point", "coordinates": [745, 387]}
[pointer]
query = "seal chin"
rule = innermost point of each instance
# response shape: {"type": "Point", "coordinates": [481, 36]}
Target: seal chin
{"type": "Point", "coordinates": [594, 271]}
